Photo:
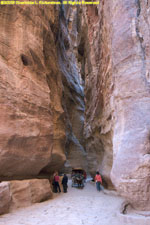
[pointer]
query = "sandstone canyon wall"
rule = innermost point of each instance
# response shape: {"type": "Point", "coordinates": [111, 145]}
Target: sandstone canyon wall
{"type": "Point", "coordinates": [41, 104]}
{"type": "Point", "coordinates": [73, 93]}
{"type": "Point", "coordinates": [117, 96]}
{"type": "Point", "coordinates": [47, 56]}
{"type": "Point", "coordinates": [98, 88]}
{"type": "Point", "coordinates": [131, 143]}
{"type": "Point", "coordinates": [29, 120]}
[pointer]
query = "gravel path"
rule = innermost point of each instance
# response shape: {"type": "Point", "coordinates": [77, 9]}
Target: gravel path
{"type": "Point", "coordinates": [77, 207]}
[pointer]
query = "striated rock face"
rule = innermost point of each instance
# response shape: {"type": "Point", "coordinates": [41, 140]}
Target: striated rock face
{"type": "Point", "coordinates": [117, 96]}
{"type": "Point", "coordinates": [41, 104]}
{"type": "Point", "coordinates": [17, 194]}
{"type": "Point", "coordinates": [5, 198]}
{"type": "Point", "coordinates": [97, 70]}
{"type": "Point", "coordinates": [32, 131]}
{"type": "Point", "coordinates": [73, 93]}
{"type": "Point", "coordinates": [131, 142]}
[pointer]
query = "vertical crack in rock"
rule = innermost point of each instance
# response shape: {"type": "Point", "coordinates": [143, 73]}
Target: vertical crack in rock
{"type": "Point", "coordinates": [138, 7]}
{"type": "Point", "coordinates": [140, 38]}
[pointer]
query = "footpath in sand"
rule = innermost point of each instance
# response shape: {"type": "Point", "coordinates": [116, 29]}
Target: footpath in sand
{"type": "Point", "coordinates": [77, 207]}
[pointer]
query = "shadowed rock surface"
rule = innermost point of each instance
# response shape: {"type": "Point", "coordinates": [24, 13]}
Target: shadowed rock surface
{"type": "Point", "coordinates": [97, 70]}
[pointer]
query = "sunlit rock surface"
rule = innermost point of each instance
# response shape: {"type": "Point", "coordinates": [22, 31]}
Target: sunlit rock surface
{"type": "Point", "coordinates": [117, 96]}
{"type": "Point", "coordinates": [5, 197]}
{"type": "Point", "coordinates": [31, 131]}
{"type": "Point", "coordinates": [41, 104]}
{"type": "Point", "coordinates": [17, 194]}
{"type": "Point", "coordinates": [131, 140]}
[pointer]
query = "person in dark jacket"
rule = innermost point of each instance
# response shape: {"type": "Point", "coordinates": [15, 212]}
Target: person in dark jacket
{"type": "Point", "coordinates": [65, 183]}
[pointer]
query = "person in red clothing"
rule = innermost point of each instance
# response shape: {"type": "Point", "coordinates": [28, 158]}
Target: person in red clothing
{"type": "Point", "coordinates": [56, 183]}
{"type": "Point", "coordinates": [84, 174]}
{"type": "Point", "coordinates": [98, 181]}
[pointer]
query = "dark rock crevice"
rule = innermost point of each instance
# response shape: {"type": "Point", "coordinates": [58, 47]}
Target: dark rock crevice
{"type": "Point", "coordinates": [73, 95]}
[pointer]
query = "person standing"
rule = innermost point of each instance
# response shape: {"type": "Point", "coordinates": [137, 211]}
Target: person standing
{"type": "Point", "coordinates": [56, 180]}
{"type": "Point", "coordinates": [98, 181]}
{"type": "Point", "coordinates": [84, 174]}
{"type": "Point", "coordinates": [65, 183]}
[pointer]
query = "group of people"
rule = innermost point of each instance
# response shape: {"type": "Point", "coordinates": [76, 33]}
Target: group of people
{"type": "Point", "coordinates": [56, 186]}
{"type": "Point", "coordinates": [56, 180]}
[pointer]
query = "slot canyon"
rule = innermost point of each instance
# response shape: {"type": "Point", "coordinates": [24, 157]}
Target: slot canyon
{"type": "Point", "coordinates": [75, 93]}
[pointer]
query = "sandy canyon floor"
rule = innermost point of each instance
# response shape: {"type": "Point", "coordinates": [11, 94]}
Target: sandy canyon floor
{"type": "Point", "coordinates": [76, 207]}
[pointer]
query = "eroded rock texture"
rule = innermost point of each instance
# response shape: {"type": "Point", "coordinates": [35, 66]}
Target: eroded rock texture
{"type": "Point", "coordinates": [46, 55]}
{"type": "Point", "coordinates": [73, 93]}
{"type": "Point", "coordinates": [97, 72]}
{"type": "Point", "coordinates": [117, 96]}
{"type": "Point", "coordinates": [42, 101]}
{"type": "Point", "coordinates": [17, 194]}
{"type": "Point", "coordinates": [31, 131]}
{"type": "Point", "coordinates": [131, 143]}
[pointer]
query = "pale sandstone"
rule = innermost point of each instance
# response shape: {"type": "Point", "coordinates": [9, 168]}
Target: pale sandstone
{"type": "Point", "coordinates": [5, 198]}
{"type": "Point", "coordinates": [18, 194]}
{"type": "Point", "coordinates": [131, 168]}
{"type": "Point", "coordinates": [117, 96]}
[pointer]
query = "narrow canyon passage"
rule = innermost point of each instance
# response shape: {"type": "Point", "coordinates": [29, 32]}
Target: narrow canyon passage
{"type": "Point", "coordinates": [77, 207]}
{"type": "Point", "coordinates": [74, 93]}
